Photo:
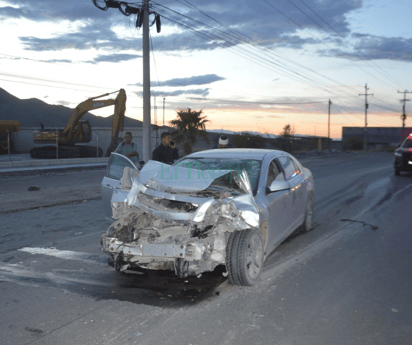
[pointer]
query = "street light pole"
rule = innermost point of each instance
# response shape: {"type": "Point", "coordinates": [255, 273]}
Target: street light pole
{"type": "Point", "coordinates": [146, 84]}
{"type": "Point", "coordinates": [329, 125]}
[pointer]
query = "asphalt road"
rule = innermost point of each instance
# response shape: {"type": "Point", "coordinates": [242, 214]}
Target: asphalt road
{"type": "Point", "coordinates": [346, 282]}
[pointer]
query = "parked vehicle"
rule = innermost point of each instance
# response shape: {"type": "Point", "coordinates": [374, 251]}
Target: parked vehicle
{"type": "Point", "coordinates": [229, 207]}
{"type": "Point", "coordinates": [403, 156]}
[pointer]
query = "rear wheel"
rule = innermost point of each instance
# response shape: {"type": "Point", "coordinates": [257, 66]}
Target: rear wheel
{"type": "Point", "coordinates": [244, 257]}
{"type": "Point", "coordinates": [309, 213]}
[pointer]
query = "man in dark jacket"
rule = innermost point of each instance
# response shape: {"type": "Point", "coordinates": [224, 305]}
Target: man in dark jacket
{"type": "Point", "coordinates": [166, 152]}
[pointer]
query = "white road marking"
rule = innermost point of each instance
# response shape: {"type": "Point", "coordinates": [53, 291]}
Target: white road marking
{"type": "Point", "coordinates": [93, 259]}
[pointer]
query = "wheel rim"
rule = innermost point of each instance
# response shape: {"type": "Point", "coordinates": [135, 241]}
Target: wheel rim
{"type": "Point", "coordinates": [309, 214]}
{"type": "Point", "coordinates": [254, 256]}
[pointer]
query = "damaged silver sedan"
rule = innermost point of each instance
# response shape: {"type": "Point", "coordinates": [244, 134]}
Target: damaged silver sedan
{"type": "Point", "coordinates": [229, 207]}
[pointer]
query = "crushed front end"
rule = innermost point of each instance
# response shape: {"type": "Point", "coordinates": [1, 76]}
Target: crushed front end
{"type": "Point", "coordinates": [172, 226]}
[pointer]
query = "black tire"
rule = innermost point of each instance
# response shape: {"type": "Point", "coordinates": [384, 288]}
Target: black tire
{"type": "Point", "coordinates": [309, 214]}
{"type": "Point", "coordinates": [244, 261]}
{"type": "Point", "coordinates": [397, 172]}
{"type": "Point", "coordinates": [231, 253]}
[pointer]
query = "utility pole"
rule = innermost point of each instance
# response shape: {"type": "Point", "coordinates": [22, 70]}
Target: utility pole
{"type": "Point", "coordinates": [329, 124]}
{"type": "Point", "coordinates": [164, 99]}
{"type": "Point", "coordinates": [142, 13]}
{"type": "Point", "coordinates": [404, 100]}
{"type": "Point", "coordinates": [366, 94]}
{"type": "Point", "coordinates": [146, 83]}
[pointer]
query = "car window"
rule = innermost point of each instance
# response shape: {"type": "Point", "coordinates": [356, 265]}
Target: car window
{"type": "Point", "coordinates": [116, 165]}
{"type": "Point", "coordinates": [299, 167]}
{"type": "Point", "coordinates": [252, 166]}
{"type": "Point", "coordinates": [407, 143]}
{"type": "Point", "coordinates": [274, 173]}
{"type": "Point", "coordinates": [289, 168]}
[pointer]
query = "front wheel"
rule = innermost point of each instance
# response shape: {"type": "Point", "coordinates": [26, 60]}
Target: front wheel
{"type": "Point", "coordinates": [244, 257]}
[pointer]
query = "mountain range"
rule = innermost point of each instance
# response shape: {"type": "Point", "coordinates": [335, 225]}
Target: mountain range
{"type": "Point", "coordinates": [31, 112]}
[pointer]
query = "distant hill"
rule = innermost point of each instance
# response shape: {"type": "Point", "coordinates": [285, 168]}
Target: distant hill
{"type": "Point", "coordinates": [30, 112]}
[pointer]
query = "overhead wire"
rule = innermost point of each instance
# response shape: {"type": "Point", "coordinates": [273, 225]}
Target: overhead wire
{"type": "Point", "coordinates": [383, 71]}
{"type": "Point", "coordinates": [313, 82]}
{"type": "Point", "coordinates": [48, 80]}
{"type": "Point", "coordinates": [250, 41]}
{"type": "Point", "coordinates": [381, 104]}
{"type": "Point", "coordinates": [339, 34]}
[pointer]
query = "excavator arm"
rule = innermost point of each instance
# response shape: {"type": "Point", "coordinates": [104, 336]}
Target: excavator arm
{"type": "Point", "coordinates": [72, 132]}
{"type": "Point", "coordinates": [79, 132]}
{"type": "Point", "coordinates": [118, 121]}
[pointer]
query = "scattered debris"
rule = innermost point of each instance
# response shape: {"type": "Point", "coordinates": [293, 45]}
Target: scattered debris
{"type": "Point", "coordinates": [138, 333]}
{"type": "Point", "coordinates": [224, 274]}
{"type": "Point", "coordinates": [33, 188]}
{"type": "Point", "coordinates": [217, 293]}
{"type": "Point", "coordinates": [395, 310]}
{"type": "Point", "coordinates": [357, 221]}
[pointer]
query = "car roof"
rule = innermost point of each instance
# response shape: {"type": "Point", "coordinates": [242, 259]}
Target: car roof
{"type": "Point", "coordinates": [236, 153]}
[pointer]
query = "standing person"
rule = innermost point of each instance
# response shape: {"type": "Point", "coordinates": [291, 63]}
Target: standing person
{"type": "Point", "coordinates": [128, 148]}
{"type": "Point", "coordinates": [166, 152]}
{"type": "Point", "coordinates": [224, 143]}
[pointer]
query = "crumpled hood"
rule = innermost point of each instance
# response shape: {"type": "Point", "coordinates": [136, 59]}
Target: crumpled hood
{"type": "Point", "coordinates": [163, 177]}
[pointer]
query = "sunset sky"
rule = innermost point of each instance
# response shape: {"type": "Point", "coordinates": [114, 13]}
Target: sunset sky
{"type": "Point", "coordinates": [252, 65]}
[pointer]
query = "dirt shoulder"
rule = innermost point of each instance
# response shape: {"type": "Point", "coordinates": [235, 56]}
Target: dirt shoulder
{"type": "Point", "coordinates": [49, 189]}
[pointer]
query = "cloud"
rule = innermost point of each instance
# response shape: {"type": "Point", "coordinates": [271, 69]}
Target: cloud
{"type": "Point", "coordinates": [369, 47]}
{"type": "Point", "coordinates": [266, 24]}
{"type": "Point", "coordinates": [201, 92]}
{"type": "Point", "coordinates": [271, 24]}
{"type": "Point", "coordinates": [51, 10]}
{"type": "Point", "coordinates": [113, 58]}
{"type": "Point", "coordinates": [195, 80]}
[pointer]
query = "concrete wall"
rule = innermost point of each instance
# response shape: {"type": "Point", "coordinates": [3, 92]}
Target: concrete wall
{"type": "Point", "coordinates": [101, 136]}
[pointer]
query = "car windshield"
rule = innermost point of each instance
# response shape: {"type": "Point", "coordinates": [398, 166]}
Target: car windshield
{"type": "Point", "coordinates": [407, 143]}
{"type": "Point", "coordinates": [252, 166]}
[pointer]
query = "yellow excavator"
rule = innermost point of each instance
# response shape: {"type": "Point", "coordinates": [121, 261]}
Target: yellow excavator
{"type": "Point", "coordinates": [80, 132]}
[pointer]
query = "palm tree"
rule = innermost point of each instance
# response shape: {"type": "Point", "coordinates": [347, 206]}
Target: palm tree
{"type": "Point", "coordinates": [189, 125]}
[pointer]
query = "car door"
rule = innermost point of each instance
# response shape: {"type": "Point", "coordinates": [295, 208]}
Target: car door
{"type": "Point", "coordinates": [279, 207]}
{"type": "Point", "coordinates": [293, 176]}
{"type": "Point", "coordinates": [111, 180]}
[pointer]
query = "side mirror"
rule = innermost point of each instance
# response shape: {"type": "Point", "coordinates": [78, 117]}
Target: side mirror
{"type": "Point", "coordinates": [277, 186]}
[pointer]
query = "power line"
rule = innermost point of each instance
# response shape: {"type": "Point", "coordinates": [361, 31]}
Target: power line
{"type": "Point", "coordinates": [313, 82]}
{"type": "Point", "coordinates": [339, 34]}
{"type": "Point", "coordinates": [48, 80]}
{"type": "Point", "coordinates": [288, 60]}
{"type": "Point", "coordinates": [252, 102]}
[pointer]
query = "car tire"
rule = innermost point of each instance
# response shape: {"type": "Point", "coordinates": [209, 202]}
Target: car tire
{"type": "Point", "coordinates": [397, 172]}
{"type": "Point", "coordinates": [244, 257]}
{"type": "Point", "coordinates": [309, 214]}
